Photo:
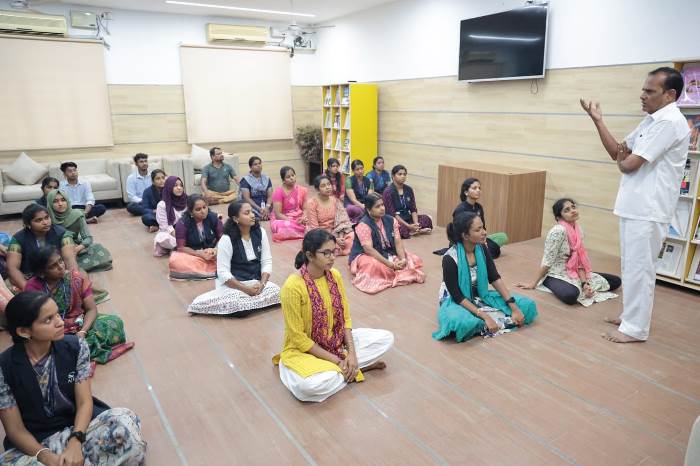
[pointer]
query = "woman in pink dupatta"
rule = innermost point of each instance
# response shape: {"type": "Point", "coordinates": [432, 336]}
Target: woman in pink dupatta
{"type": "Point", "coordinates": [288, 220]}
{"type": "Point", "coordinates": [327, 212]}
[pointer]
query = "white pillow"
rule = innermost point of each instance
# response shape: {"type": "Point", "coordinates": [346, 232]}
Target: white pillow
{"type": "Point", "coordinates": [25, 171]}
{"type": "Point", "coordinates": [200, 157]}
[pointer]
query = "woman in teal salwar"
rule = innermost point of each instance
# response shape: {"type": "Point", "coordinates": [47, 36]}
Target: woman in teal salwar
{"type": "Point", "coordinates": [465, 298]}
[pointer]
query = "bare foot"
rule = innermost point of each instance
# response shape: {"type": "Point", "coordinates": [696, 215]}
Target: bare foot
{"type": "Point", "coordinates": [152, 229]}
{"type": "Point", "coordinates": [379, 365]}
{"type": "Point", "coordinates": [613, 320]}
{"type": "Point", "coordinates": [619, 337]}
{"type": "Point", "coordinates": [91, 220]}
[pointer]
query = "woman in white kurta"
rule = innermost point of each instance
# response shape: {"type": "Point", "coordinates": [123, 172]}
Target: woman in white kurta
{"type": "Point", "coordinates": [321, 352]}
{"type": "Point", "coordinates": [243, 267]}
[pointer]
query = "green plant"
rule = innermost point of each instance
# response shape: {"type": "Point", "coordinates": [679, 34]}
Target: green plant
{"type": "Point", "coordinates": [308, 139]}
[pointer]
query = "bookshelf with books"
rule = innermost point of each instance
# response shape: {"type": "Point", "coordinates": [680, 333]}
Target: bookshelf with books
{"type": "Point", "coordinates": [679, 258]}
{"type": "Point", "coordinates": [350, 124]}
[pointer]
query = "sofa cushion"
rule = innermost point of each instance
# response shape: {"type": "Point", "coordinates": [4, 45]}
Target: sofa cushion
{"type": "Point", "coordinates": [101, 182]}
{"type": "Point", "coordinates": [200, 157]}
{"type": "Point", "coordinates": [19, 192]}
{"type": "Point", "coordinates": [25, 171]}
{"type": "Point", "coordinates": [91, 167]}
{"type": "Point", "coordinates": [152, 165]}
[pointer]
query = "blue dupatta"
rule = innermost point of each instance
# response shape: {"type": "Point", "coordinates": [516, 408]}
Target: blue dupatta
{"type": "Point", "coordinates": [453, 318]}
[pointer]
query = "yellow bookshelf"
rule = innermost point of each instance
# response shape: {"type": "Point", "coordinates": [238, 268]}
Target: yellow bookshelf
{"type": "Point", "coordinates": [349, 124]}
{"type": "Point", "coordinates": [687, 272]}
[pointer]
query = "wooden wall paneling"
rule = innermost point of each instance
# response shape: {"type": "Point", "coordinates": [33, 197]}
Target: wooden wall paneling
{"type": "Point", "coordinates": [149, 128]}
{"type": "Point", "coordinates": [616, 87]}
{"type": "Point", "coordinates": [146, 99]}
{"type": "Point", "coordinates": [306, 97]}
{"type": "Point", "coordinates": [307, 117]}
{"type": "Point", "coordinates": [117, 151]}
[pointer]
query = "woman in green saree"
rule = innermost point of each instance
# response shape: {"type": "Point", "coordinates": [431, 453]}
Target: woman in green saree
{"type": "Point", "coordinates": [72, 291]}
{"type": "Point", "coordinates": [467, 306]}
{"type": "Point", "coordinates": [91, 257]}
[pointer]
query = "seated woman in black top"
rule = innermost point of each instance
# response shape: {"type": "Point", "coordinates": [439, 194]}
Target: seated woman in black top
{"type": "Point", "coordinates": [469, 194]}
{"type": "Point", "coordinates": [38, 231]}
{"type": "Point", "coordinates": [151, 198]}
{"type": "Point", "coordinates": [47, 184]}
{"type": "Point", "coordinates": [46, 405]}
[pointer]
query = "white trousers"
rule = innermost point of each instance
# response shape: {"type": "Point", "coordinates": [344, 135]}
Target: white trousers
{"type": "Point", "coordinates": [640, 243]}
{"type": "Point", "coordinates": [370, 345]}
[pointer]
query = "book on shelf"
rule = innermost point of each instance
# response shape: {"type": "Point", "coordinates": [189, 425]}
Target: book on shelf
{"type": "Point", "coordinates": [680, 220]}
{"type": "Point", "coordinates": [336, 121]}
{"type": "Point", "coordinates": [669, 258]}
{"type": "Point", "coordinates": [328, 98]}
{"type": "Point", "coordinates": [694, 125]}
{"type": "Point", "coordinates": [345, 166]}
{"type": "Point", "coordinates": [337, 142]}
{"type": "Point", "coordinates": [346, 143]}
{"type": "Point", "coordinates": [697, 231]}
{"type": "Point", "coordinates": [337, 96]}
{"type": "Point", "coordinates": [347, 120]}
{"type": "Point", "coordinates": [689, 172]}
{"type": "Point", "coordinates": [691, 86]}
{"type": "Point", "coordinates": [694, 272]}
{"type": "Point", "coordinates": [327, 123]}
{"type": "Point", "coordinates": [328, 142]}
{"type": "Point", "coordinates": [346, 96]}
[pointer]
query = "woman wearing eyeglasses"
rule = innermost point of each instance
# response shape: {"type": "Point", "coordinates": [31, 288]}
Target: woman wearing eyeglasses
{"type": "Point", "coordinates": [322, 353]}
{"type": "Point", "coordinates": [378, 259]}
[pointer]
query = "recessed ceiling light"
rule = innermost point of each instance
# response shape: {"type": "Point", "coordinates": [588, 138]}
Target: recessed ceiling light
{"type": "Point", "coordinates": [237, 8]}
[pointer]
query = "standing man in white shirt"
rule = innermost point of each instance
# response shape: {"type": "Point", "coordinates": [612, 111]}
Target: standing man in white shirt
{"type": "Point", "coordinates": [136, 183]}
{"type": "Point", "coordinates": [80, 193]}
{"type": "Point", "coordinates": [651, 160]}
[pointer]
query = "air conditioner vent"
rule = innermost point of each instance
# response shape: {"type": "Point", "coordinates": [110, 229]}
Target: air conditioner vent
{"type": "Point", "coordinates": [232, 34]}
{"type": "Point", "coordinates": [14, 22]}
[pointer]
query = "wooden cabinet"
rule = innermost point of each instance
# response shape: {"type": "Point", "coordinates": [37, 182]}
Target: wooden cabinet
{"type": "Point", "coordinates": [513, 198]}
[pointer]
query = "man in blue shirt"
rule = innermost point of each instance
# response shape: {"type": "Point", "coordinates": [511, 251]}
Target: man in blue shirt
{"type": "Point", "coordinates": [136, 183]}
{"type": "Point", "coordinates": [80, 193]}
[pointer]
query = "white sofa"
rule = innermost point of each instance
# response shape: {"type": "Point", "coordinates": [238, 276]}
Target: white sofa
{"type": "Point", "coordinates": [15, 197]}
{"type": "Point", "coordinates": [103, 175]}
{"type": "Point", "coordinates": [191, 168]}
{"type": "Point", "coordinates": [172, 165]}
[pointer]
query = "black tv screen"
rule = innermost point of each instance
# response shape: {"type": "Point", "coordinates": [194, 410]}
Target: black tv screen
{"type": "Point", "coordinates": [508, 45]}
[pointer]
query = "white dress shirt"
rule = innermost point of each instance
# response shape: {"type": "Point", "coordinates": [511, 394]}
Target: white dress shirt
{"type": "Point", "coordinates": [136, 184]}
{"type": "Point", "coordinates": [79, 193]}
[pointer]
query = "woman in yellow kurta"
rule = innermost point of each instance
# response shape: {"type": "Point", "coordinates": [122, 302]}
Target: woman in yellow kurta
{"type": "Point", "coordinates": [322, 352]}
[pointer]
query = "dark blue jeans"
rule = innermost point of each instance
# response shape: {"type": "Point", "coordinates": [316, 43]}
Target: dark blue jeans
{"type": "Point", "coordinates": [97, 210]}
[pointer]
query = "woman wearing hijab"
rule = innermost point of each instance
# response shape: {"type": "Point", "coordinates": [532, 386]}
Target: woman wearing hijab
{"type": "Point", "coordinates": [169, 210]}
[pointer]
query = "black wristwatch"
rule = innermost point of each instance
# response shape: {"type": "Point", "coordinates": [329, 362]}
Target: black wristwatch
{"type": "Point", "coordinates": [80, 436]}
{"type": "Point", "coordinates": [510, 300]}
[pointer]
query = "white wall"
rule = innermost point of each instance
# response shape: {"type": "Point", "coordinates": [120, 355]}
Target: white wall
{"type": "Point", "coordinates": [144, 45]}
{"type": "Point", "coordinates": [420, 38]}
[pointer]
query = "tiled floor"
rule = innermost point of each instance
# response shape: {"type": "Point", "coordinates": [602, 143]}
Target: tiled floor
{"type": "Point", "coordinates": [554, 393]}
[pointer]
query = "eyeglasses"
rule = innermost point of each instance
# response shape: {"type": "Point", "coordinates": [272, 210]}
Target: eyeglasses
{"type": "Point", "coordinates": [327, 253]}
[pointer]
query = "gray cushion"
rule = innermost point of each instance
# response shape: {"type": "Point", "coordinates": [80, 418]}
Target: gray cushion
{"type": "Point", "coordinates": [101, 182]}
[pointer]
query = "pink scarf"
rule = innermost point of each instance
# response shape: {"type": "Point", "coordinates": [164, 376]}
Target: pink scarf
{"type": "Point", "coordinates": [319, 316]}
{"type": "Point", "coordinates": [579, 257]}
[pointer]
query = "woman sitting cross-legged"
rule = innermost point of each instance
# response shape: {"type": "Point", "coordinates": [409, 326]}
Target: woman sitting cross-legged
{"type": "Point", "coordinates": [256, 189]}
{"type": "Point", "coordinates": [169, 210]}
{"type": "Point", "coordinates": [46, 404]}
{"type": "Point", "coordinates": [91, 257]}
{"type": "Point", "coordinates": [337, 178]}
{"type": "Point", "coordinates": [378, 259]}
{"type": "Point", "coordinates": [357, 187]}
{"type": "Point", "coordinates": [196, 233]}
{"type": "Point", "coordinates": [327, 212]}
{"type": "Point", "coordinates": [288, 220]}
{"type": "Point", "coordinates": [243, 265]}
{"type": "Point", "coordinates": [400, 202]}
{"type": "Point", "coordinates": [467, 306]}
{"type": "Point", "coordinates": [38, 231]}
{"type": "Point", "coordinates": [72, 292]}
{"type": "Point", "coordinates": [321, 352]}
{"type": "Point", "coordinates": [566, 269]}
{"type": "Point", "coordinates": [150, 199]}
{"type": "Point", "coordinates": [378, 176]}
{"type": "Point", "coordinates": [469, 194]}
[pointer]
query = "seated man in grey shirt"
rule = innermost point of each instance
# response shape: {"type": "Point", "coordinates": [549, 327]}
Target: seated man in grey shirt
{"type": "Point", "coordinates": [216, 179]}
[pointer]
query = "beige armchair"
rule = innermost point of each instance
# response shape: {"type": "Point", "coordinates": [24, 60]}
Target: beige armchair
{"type": "Point", "coordinates": [103, 175]}
{"type": "Point", "coordinates": [172, 165]}
{"type": "Point", "coordinates": [14, 196]}
{"type": "Point", "coordinates": [192, 171]}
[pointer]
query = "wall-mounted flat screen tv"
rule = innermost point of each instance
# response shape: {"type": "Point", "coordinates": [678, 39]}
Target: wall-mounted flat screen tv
{"type": "Point", "coordinates": [507, 45]}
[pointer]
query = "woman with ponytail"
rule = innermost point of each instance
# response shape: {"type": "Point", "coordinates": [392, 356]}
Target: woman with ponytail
{"type": "Point", "coordinates": [467, 306]}
{"type": "Point", "coordinates": [243, 267]}
{"type": "Point", "coordinates": [565, 270]}
{"type": "Point", "coordinates": [321, 352]}
{"type": "Point", "coordinates": [378, 259]}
